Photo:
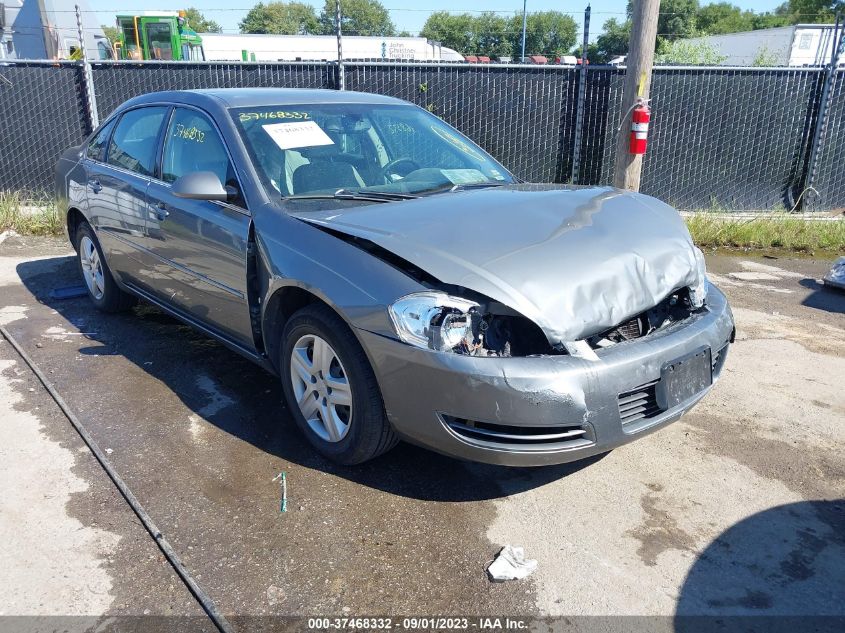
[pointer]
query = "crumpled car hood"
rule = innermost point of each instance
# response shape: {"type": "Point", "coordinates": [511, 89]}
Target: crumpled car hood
{"type": "Point", "coordinates": [576, 261]}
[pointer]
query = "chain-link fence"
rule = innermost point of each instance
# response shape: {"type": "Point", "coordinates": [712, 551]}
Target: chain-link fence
{"type": "Point", "coordinates": [115, 82]}
{"type": "Point", "coordinates": [829, 184]}
{"type": "Point", "coordinates": [721, 138]}
{"type": "Point", "coordinates": [524, 116]}
{"type": "Point", "coordinates": [42, 113]}
{"type": "Point", "coordinates": [730, 139]}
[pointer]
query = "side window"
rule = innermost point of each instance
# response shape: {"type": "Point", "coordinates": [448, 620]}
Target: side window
{"type": "Point", "coordinates": [193, 144]}
{"type": "Point", "coordinates": [97, 145]}
{"type": "Point", "coordinates": [133, 144]}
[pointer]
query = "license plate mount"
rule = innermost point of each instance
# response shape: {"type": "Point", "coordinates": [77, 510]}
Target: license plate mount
{"type": "Point", "coordinates": [684, 377]}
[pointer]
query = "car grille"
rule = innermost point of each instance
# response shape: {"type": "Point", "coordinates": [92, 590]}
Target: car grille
{"type": "Point", "coordinates": [503, 434]}
{"type": "Point", "coordinates": [632, 329]}
{"type": "Point", "coordinates": [718, 361]}
{"type": "Point", "coordinates": [639, 403]}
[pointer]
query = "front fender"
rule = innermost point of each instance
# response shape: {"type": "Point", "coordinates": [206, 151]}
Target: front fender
{"type": "Point", "coordinates": [357, 285]}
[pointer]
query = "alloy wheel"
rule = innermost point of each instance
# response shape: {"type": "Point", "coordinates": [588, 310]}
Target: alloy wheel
{"type": "Point", "coordinates": [92, 267]}
{"type": "Point", "coordinates": [321, 387]}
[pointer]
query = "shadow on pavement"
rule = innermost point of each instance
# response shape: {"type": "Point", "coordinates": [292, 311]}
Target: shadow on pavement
{"type": "Point", "coordinates": [197, 368]}
{"type": "Point", "coordinates": [823, 297]}
{"type": "Point", "coordinates": [786, 564]}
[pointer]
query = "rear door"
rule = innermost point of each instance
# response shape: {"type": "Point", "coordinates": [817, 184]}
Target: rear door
{"type": "Point", "coordinates": [119, 165]}
{"type": "Point", "coordinates": [202, 244]}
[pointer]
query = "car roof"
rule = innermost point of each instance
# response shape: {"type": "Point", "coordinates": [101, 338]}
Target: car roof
{"type": "Point", "coordinates": [246, 97]}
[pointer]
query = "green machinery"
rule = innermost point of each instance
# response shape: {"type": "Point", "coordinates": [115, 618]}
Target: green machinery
{"type": "Point", "coordinates": [163, 35]}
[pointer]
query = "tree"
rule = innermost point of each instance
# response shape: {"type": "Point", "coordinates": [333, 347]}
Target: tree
{"type": "Point", "coordinates": [199, 23]}
{"type": "Point", "coordinates": [282, 18]}
{"type": "Point", "coordinates": [358, 17]}
{"type": "Point", "coordinates": [490, 35]}
{"type": "Point", "coordinates": [810, 11]}
{"type": "Point", "coordinates": [454, 30]}
{"type": "Point", "coordinates": [687, 53]}
{"type": "Point", "coordinates": [549, 33]}
{"type": "Point", "coordinates": [111, 32]}
{"type": "Point", "coordinates": [765, 57]}
{"type": "Point", "coordinates": [677, 19]}
{"type": "Point", "coordinates": [612, 42]}
{"type": "Point", "coordinates": [723, 17]}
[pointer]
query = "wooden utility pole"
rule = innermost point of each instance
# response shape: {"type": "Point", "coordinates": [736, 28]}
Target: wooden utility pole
{"type": "Point", "coordinates": [627, 166]}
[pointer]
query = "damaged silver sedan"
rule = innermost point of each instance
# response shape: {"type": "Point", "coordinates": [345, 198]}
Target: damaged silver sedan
{"type": "Point", "coordinates": [398, 279]}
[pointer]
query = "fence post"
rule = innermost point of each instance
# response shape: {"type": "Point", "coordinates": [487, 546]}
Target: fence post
{"type": "Point", "coordinates": [838, 50]}
{"type": "Point", "coordinates": [88, 79]}
{"type": "Point", "coordinates": [341, 78]}
{"type": "Point", "coordinates": [582, 99]}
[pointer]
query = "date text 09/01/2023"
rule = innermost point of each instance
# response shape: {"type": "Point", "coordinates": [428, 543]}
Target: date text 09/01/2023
{"type": "Point", "coordinates": [417, 623]}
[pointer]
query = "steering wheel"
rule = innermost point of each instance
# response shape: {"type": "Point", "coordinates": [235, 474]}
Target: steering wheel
{"type": "Point", "coordinates": [390, 169]}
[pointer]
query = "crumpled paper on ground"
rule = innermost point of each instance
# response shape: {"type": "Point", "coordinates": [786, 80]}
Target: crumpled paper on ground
{"type": "Point", "coordinates": [511, 564]}
{"type": "Point", "coordinates": [836, 276]}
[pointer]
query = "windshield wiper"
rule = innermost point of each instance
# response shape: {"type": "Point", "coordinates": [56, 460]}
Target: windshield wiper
{"type": "Point", "coordinates": [349, 194]}
{"type": "Point", "coordinates": [467, 186]}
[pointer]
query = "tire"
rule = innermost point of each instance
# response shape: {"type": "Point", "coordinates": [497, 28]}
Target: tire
{"type": "Point", "coordinates": [102, 288]}
{"type": "Point", "coordinates": [361, 430]}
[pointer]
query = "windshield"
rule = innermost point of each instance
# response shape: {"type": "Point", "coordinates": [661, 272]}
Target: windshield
{"type": "Point", "coordinates": [380, 151]}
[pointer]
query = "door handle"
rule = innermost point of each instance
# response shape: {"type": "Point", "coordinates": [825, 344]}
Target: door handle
{"type": "Point", "coordinates": [95, 185]}
{"type": "Point", "coordinates": [160, 210]}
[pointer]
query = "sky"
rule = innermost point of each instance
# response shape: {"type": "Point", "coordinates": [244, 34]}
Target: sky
{"type": "Point", "coordinates": [406, 16]}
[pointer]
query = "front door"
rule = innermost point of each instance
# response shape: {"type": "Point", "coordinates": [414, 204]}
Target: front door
{"type": "Point", "coordinates": [203, 244]}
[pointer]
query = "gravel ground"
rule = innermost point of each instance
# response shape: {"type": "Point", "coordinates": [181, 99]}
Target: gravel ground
{"type": "Point", "coordinates": [739, 508]}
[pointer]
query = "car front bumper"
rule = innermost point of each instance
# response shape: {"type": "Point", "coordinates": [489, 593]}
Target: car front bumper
{"type": "Point", "coordinates": [544, 409]}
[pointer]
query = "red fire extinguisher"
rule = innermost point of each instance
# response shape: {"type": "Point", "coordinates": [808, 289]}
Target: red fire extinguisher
{"type": "Point", "coordinates": [640, 117]}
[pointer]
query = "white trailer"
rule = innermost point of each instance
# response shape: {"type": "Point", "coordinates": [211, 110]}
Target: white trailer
{"type": "Point", "coordinates": [47, 29]}
{"type": "Point", "coordinates": [234, 47]}
{"type": "Point", "coordinates": [797, 45]}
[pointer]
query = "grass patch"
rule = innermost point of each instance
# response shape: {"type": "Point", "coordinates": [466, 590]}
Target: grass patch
{"type": "Point", "coordinates": [29, 216]}
{"type": "Point", "coordinates": [772, 231]}
{"type": "Point", "coordinates": [40, 216]}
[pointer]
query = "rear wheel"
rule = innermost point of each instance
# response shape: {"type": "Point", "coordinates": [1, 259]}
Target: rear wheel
{"type": "Point", "coordinates": [102, 288]}
{"type": "Point", "coordinates": [330, 388]}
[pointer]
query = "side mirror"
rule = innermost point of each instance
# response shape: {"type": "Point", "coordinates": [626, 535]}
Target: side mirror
{"type": "Point", "coordinates": [200, 185]}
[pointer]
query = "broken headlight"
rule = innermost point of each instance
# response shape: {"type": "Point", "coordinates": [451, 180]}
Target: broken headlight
{"type": "Point", "coordinates": [698, 291]}
{"type": "Point", "coordinates": [434, 320]}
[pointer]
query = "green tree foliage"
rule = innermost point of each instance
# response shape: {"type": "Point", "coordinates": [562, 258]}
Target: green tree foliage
{"type": "Point", "coordinates": [454, 30]}
{"type": "Point", "coordinates": [687, 53]}
{"type": "Point", "coordinates": [548, 33]}
{"type": "Point", "coordinates": [810, 11]}
{"type": "Point", "coordinates": [199, 23]}
{"type": "Point", "coordinates": [491, 35]}
{"type": "Point", "coordinates": [358, 17]}
{"type": "Point", "coordinates": [677, 19]}
{"type": "Point", "coordinates": [724, 17]}
{"type": "Point", "coordinates": [612, 42]}
{"type": "Point", "coordinates": [281, 18]}
{"type": "Point", "coordinates": [111, 32]}
{"type": "Point", "coordinates": [765, 57]}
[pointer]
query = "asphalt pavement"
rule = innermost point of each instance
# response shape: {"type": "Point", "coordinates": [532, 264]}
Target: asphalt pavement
{"type": "Point", "coordinates": [739, 508]}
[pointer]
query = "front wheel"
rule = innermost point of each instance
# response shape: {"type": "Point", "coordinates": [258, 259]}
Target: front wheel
{"type": "Point", "coordinates": [330, 388]}
{"type": "Point", "coordinates": [102, 288]}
